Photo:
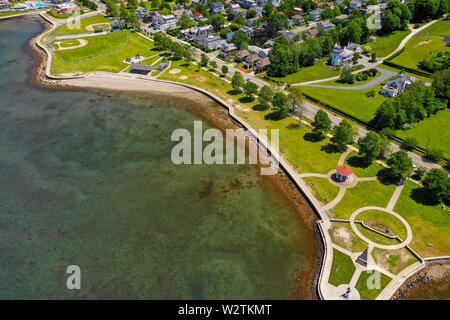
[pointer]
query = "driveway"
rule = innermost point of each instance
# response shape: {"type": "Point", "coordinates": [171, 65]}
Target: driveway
{"type": "Point", "coordinates": [385, 74]}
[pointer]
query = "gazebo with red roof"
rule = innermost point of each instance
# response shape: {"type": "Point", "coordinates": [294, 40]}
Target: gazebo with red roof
{"type": "Point", "coordinates": [343, 173]}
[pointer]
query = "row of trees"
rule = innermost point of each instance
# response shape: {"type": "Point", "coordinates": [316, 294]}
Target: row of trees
{"type": "Point", "coordinates": [396, 17]}
{"type": "Point", "coordinates": [423, 10]}
{"type": "Point", "coordinates": [178, 50]}
{"type": "Point", "coordinates": [408, 107]}
{"type": "Point", "coordinates": [437, 62]}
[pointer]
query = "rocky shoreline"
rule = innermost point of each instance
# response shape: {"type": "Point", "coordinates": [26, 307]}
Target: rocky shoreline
{"type": "Point", "coordinates": [435, 273]}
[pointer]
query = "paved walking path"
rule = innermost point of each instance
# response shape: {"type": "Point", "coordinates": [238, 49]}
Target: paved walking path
{"type": "Point", "coordinates": [395, 197]}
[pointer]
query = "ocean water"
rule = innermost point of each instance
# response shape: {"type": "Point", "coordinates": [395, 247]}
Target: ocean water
{"type": "Point", "coordinates": [86, 179]}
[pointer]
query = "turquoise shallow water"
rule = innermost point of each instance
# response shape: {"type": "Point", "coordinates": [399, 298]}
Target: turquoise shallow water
{"type": "Point", "coordinates": [86, 179]}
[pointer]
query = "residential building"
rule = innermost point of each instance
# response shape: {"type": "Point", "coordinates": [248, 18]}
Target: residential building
{"type": "Point", "coordinates": [5, 5]}
{"type": "Point", "coordinates": [298, 10]}
{"type": "Point", "coordinates": [397, 84]}
{"type": "Point", "coordinates": [248, 4]}
{"type": "Point", "coordinates": [234, 9]}
{"type": "Point", "coordinates": [212, 43]}
{"type": "Point", "coordinates": [251, 60]}
{"type": "Point", "coordinates": [315, 14]}
{"type": "Point", "coordinates": [217, 7]}
{"type": "Point", "coordinates": [325, 25]}
{"type": "Point", "coordinates": [199, 17]}
{"type": "Point", "coordinates": [297, 20]}
{"type": "Point", "coordinates": [268, 44]}
{"type": "Point", "coordinates": [292, 36]}
{"type": "Point", "coordinates": [342, 17]}
{"type": "Point", "coordinates": [143, 15]}
{"type": "Point", "coordinates": [165, 22]}
{"type": "Point", "coordinates": [241, 55]}
{"type": "Point", "coordinates": [261, 65]}
{"type": "Point", "coordinates": [198, 34]}
{"type": "Point", "coordinates": [342, 55]}
{"type": "Point", "coordinates": [311, 33]}
{"type": "Point", "coordinates": [227, 50]}
{"type": "Point", "coordinates": [263, 53]}
{"type": "Point", "coordinates": [355, 4]}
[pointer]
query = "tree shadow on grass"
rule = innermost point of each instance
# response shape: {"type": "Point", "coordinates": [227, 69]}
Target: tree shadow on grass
{"type": "Point", "coordinates": [420, 195]}
{"type": "Point", "coordinates": [246, 99]}
{"type": "Point", "coordinates": [386, 178]}
{"type": "Point", "coordinates": [330, 148]}
{"type": "Point", "coordinates": [293, 126]}
{"type": "Point", "coordinates": [234, 92]}
{"type": "Point", "coordinates": [275, 116]}
{"type": "Point", "coordinates": [260, 107]}
{"type": "Point", "coordinates": [185, 65]}
{"type": "Point", "coordinates": [311, 137]}
{"type": "Point", "coordinates": [174, 59]}
{"type": "Point", "coordinates": [357, 162]}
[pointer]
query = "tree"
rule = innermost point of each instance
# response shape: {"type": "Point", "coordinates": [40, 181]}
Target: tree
{"type": "Point", "coordinates": [268, 10]}
{"type": "Point", "coordinates": [112, 10]}
{"type": "Point", "coordinates": [281, 104]}
{"type": "Point", "coordinates": [213, 64]}
{"type": "Point", "coordinates": [250, 89]}
{"type": "Point", "coordinates": [400, 165]}
{"type": "Point", "coordinates": [204, 60]}
{"type": "Point", "coordinates": [373, 57]}
{"type": "Point", "coordinates": [186, 22]}
{"type": "Point", "coordinates": [343, 134]}
{"type": "Point", "coordinates": [434, 154]}
{"type": "Point", "coordinates": [237, 82]}
{"type": "Point", "coordinates": [156, 4]}
{"type": "Point", "coordinates": [327, 13]}
{"type": "Point", "coordinates": [437, 184]}
{"type": "Point", "coordinates": [239, 38]}
{"type": "Point", "coordinates": [370, 147]}
{"type": "Point", "coordinates": [224, 69]}
{"type": "Point", "coordinates": [250, 14]}
{"type": "Point", "coordinates": [321, 124]}
{"type": "Point", "coordinates": [265, 95]}
{"type": "Point", "coordinates": [239, 20]}
{"type": "Point", "coordinates": [441, 84]}
{"type": "Point", "coordinates": [296, 100]}
{"type": "Point", "coordinates": [346, 75]}
{"type": "Point", "coordinates": [217, 21]}
{"type": "Point", "coordinates": [277, 21]}
{"type": "Point", "coordinates": [410, 143]}
{"type": "Point", "coordinates": [385, 116]}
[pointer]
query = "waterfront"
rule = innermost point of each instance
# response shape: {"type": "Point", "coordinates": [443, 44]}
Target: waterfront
{"type": "Point", "coordinates": [86, 179]}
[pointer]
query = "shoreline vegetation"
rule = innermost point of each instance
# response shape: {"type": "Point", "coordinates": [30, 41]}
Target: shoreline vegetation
{"type": "Point", "coordinates": [41, 78]}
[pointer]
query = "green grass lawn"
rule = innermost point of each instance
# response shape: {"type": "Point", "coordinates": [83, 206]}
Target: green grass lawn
{"type": "Point", "coordinates": [428, 134]}
{"type": "Point", "coordinates": [388, 43]}
{"type": "Point", "coordinates": [359, 167]}
{"type": "Point", "coordinates": [96, 46]}
{"type": "Point", "coordinates": [314, 72]}
{"type": "Point", "coordinates": [429, 223]}
{"type": "Point", "coordinates": [419, 48]}
{"type": "Point", "coordinates": [342, 234]}
{"type": "Point", "coordinates": [440, 28]}
{"type": "Point", "coordinates": [393, 261]}
{"type": "Point", "coordinates": [385, 218]}
{"type": "Point", "coordinates": [368, 289]}
{"type": "Point", "coordinates": [375, 237]}
{"type": "Point", "coordinates": [112, 62]}
{"type": "Point", "coordinates": [353, 102]}
{"type": "Point", "coordinates": [12, 13]}
{"type": "Point", "coordinates": [322, 188]}
{"type": "Point", "coordinates": [342, 269]}
{"type": "Point", "coordinates": [365, 193]}
{"type": "Point", "coordinates": [69, 29]}
{"type": "Point", "coordinates": [426, 79]}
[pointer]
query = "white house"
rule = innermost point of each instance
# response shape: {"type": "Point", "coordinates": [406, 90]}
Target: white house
{"type": "Point", "coordinates": [162, 23]}
{"type": "Point", "coordinates": [397, 84]}
{"type": "Point", "coordinates": [325, 25]}
{"type": "Point", "coordinates": [315, 14]}
{"type": "Point", "coordinates": [212, 42]}
{"type": "Point", "coordinates": [342, 55]}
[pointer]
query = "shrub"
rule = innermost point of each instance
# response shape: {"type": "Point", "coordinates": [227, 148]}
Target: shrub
{"type": "Point", "coordinates": [410, 143]}
{"type": "Point", "coordinates": [365, 77]}
{"type": "Point", "coordinates": [434, 154]}
{"type": "Point", "coordinates": [370, 94]}
{"type": "Point", "coordinates": [388, 132]}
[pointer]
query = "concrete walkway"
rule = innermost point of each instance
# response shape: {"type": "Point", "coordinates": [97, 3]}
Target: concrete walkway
{"type": "Point", "coordinates": [395, 197]}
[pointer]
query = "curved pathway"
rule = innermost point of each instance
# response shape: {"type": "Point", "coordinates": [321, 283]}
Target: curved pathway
{"type": "Point", "coordinates": [385, 74]}
{"type": "Point", "coordinates": [375, 244]}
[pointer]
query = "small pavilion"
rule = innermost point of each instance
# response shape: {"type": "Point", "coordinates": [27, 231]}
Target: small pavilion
{"type": "Point", "coordinates": [343, 173]}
